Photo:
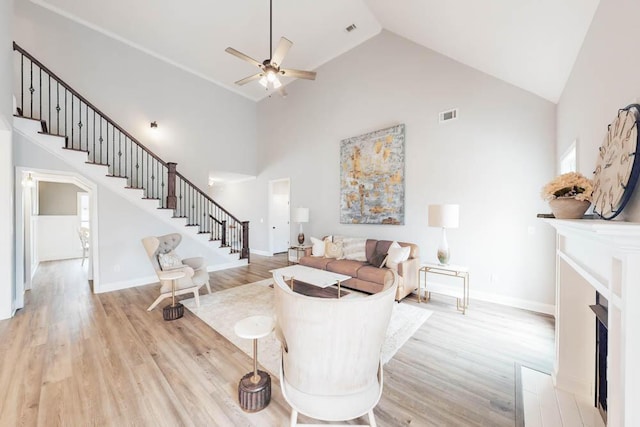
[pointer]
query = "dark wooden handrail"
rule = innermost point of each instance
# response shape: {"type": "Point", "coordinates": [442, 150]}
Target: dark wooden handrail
{"type": "Point", "coordinates": [83, 99]}
{"type": "Point", "coordinates": [208, 198]}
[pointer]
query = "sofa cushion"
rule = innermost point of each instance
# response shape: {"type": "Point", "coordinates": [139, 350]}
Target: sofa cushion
{"type": "Point", "coordinates": [315, 262]}
{"type": "Point", "coordinates": [382, 246]}
{"type": "Point", "coordinates": [333, 249]}
{"type": "Point", "coordinates": [317, 248]}
{"type": "Point", "coordinates": [345, 266]}
{"type": "Point", "coordinates": [354, 248]}
{"type": "Point", "coordinates": [379, 260]}
{"type": "Point", "coordinates": [397, 254]}
{"type": "Point", "coordinates": [370, 273]}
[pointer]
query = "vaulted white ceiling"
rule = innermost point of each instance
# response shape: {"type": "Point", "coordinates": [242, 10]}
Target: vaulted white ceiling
{"type": "Point", "coordinates": [529, 43]}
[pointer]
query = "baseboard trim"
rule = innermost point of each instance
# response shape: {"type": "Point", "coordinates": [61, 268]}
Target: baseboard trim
{"type": "Point", "coordinates": [218, 267]}
{"type": "Point", "coordinates": [505, 300]}
{"type": "Point", "coordinates": [147, 280]}
{"type": "Point", "coordinates": [125, 284]}
{"type": "Point", "coordinates": [259, 252]}
{"type": "Point", "coordinates": [514, 302]}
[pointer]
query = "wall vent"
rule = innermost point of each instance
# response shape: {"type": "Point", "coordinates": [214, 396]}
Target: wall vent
{"type": "Point", "coordinates": [351, 28]}
{"type": "Point", "coordinates": [448, 115]}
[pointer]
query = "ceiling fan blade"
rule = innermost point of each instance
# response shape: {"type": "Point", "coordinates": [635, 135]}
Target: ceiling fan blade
{"type": "Point", "coordinates": [281, 50]}
{"type": "Point", "coordinates": [299, 74]}
{"type": "Point", "coordinates": [242, 56]}
{"type": "Point", "coordinates": [249, 79]}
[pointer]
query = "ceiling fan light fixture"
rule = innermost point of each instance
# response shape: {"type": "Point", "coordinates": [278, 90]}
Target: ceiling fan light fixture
{"type": "Point", "coordinates": [276, 83]}
{"type": "Point", "coordinates": [263, 81]}
{"type": "Point", "coordinates": [271, 76]}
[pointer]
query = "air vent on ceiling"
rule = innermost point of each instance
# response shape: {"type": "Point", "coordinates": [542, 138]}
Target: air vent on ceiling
{"type": "Point", "coordinates": [351, 28]}
{"type": "Point", "coordinates": [448, 115]}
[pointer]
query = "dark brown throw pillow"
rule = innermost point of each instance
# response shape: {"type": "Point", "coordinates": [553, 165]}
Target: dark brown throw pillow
{"type": "Point", "coordinates": [378, 260]}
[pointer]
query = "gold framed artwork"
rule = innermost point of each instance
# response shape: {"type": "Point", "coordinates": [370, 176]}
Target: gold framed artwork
{"type": "Point", "coordinates": [372, 177]}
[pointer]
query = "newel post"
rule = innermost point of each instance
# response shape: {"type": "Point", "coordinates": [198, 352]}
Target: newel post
{"type": "Point", "coordinates": [172, 200]}
{"type": "Point", "coordinates": [245, 240]}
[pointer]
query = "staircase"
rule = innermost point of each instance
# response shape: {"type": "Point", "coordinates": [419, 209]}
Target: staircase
{"type": "Point", "coordinates": [63, 122]}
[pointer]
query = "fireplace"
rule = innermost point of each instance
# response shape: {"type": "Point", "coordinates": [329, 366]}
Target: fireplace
{"type": "Point", "coordinates": [599, 262]}
{"type": "Point", "coordinates": [600, 308]}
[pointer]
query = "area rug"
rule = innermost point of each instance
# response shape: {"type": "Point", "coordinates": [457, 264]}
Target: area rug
{"type": "Point", "coordinates": [221, 310]}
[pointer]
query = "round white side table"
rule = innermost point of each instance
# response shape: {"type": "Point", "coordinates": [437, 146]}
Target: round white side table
{"type": "Point", "coordinates": [254, 390]}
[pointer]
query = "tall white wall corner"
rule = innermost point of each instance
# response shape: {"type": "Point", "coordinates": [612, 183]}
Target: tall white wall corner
{"type": "Point", "coordinates": [7, 250]}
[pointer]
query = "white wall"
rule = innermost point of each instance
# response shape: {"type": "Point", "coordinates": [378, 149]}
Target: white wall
{"type": "Point", "coordinates": [492, 161]}
{"type": "Point", "coordinates": [57, 237]}
{"type": "Point", "coordinates": [603, 79]}
{"type": "Point", "coordinates": [202, 127]}
{"type": "Point", "coordinates": [7, 252]}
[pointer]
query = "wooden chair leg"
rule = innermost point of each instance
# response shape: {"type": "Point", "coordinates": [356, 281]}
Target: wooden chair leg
{"type": "Point", "coordinates": [196, 296]}
{"type": "Point", "coordinates": [372, 419]}
{"type": "Point", "coordinates": [157, 301]}
{"type": "Point", "coordinates": [294, 418]}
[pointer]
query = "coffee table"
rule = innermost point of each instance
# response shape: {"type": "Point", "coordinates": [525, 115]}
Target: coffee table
{"type": "Point", "coordinates": [312, 276]}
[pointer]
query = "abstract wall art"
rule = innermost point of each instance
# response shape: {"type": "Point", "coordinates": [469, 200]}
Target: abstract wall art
{"type": "Point", "coordinates": [372, 177]}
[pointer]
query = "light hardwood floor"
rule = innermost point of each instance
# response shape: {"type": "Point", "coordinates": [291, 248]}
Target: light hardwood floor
{"type": "Point", "coordinates": [77, 359]}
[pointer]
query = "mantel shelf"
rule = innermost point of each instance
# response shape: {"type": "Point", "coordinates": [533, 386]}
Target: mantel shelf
{"type": "Point", "coordinates": [625, 235]}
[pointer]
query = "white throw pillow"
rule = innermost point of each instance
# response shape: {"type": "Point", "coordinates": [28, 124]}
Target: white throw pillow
{"type": "Point", "coordinates": [318, 247]}
{"type": "Point", "coordinates": [354, 248]}
{"type": "Point", "coordinates": [169, 261]}
{"type": "Point", "coordinates": [397, 254]}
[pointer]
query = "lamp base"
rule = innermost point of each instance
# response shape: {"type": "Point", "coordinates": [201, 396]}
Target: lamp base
{"type": "Point", "coordinates": [301, 238]}
{"type": "Point", "coordinates": [443, 256]}
{"type": "Point", "coordinates": [443, 249]}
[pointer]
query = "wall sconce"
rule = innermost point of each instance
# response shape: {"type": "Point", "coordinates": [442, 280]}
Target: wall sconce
{"type": "Point", "coordinates": [154, 125]}
{"type": "Point", "coordinates": [28, 181]}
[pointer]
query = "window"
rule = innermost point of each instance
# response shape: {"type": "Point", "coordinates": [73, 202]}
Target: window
{"type": "Point", "coordinates": [83, 209]}
{"type": "Point", "coordinates": [568, 161]}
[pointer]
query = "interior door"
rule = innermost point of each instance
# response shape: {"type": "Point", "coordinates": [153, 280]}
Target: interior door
{"type": "Point", "coordinates": [279, 216]}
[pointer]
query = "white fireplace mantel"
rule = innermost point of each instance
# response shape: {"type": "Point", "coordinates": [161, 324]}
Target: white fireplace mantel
{"type": "Point", "coordinates": [602, 256]}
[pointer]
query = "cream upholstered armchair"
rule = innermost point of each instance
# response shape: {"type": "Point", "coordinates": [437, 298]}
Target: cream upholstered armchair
{"type": "Point", "coordinates": [331, 368]}
{"type": "Point", "coordinates": [162, 248]}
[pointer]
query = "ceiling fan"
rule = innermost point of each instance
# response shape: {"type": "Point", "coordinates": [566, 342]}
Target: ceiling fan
{"type": "Point", "coordinates": [270, 68]}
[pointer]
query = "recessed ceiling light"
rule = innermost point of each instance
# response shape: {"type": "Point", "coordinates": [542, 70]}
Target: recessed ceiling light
{"type": "Point", "coordinates": [351, 28]}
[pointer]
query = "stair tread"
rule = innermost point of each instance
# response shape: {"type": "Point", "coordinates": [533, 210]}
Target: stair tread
{"type": "Point", "coordinates": [151, 198]}
{"type": "Point", "coordinates": [52, 134]}
{"type": "Point", "coordinates": [97, 163]}
{"type": "Point", "coordinates": [115, 176]}
{"type": "Point", "coordinates": [134, 188]}
{"type": "Point", "coordinates": [76, 149]}
{"type": "Point", "coordinates": [28, 118]}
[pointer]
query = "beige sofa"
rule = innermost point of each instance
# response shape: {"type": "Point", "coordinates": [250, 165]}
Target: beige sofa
{"type": "Point", "coordinates": [369, 278]}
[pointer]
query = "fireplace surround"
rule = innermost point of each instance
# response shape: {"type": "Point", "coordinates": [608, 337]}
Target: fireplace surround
{"type": "Point", "coordinates": [595, 256]}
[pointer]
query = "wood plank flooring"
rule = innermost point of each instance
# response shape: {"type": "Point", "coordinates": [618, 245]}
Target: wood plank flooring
{"type": "Point", "coordinates": [72, 358]}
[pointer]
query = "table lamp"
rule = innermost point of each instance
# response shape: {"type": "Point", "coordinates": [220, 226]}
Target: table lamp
{"type": "Point", "coordinates": [444, 216]}
{"type": "Point", "coordinates": [301, 215]}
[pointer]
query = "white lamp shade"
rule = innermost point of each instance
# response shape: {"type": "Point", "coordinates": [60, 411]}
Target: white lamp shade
{"type": "Point", "coordinates": [301, 215]}
{"type": "Point", "coordinates": [445, 216]}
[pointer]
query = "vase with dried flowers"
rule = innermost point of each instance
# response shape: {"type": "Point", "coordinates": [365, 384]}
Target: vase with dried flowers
{"type": "Point", "coordinates": [569, 195]}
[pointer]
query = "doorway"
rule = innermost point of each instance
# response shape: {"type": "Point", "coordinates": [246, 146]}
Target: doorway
{"type": "Point", "coordinates": [279, 215]}
{"type": "Point", "coordinates": [33, 244]}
